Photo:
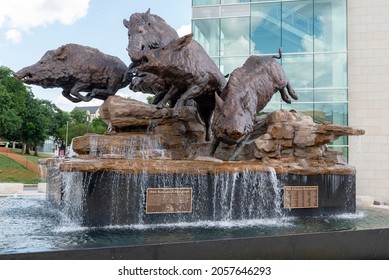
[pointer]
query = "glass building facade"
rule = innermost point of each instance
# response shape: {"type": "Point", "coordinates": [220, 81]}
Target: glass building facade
{"type": "Point", "coordinates": [313, 38]}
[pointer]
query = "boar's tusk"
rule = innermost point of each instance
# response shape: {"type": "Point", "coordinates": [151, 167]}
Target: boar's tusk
{"type": "Point", "coordinates": [219, 101]}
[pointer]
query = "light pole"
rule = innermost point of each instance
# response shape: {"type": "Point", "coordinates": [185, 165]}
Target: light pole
{"type": "Point", "coordinates": [66, 137]}
{"type": "Point", "coordinates": [87, 121]}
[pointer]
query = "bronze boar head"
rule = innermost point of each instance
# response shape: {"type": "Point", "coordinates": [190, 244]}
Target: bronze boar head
{"type": "Point", "coordinates": [147, 31]}
{"type": "Point", "coordinates": [234, 118]}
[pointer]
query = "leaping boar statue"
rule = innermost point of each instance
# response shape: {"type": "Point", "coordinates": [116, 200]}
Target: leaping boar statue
{"type": "Point", "coordinates": [147, 31]}
{"type": "Point", "coordinates": [247, 92]}
{"type": "Point", "coordinates": [191, 73]}
{"type": "Point", "coordinates": [75, 69]}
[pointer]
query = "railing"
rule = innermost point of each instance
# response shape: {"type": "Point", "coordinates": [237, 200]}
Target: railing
{"type": "Point", "coordinates": [20, 159]}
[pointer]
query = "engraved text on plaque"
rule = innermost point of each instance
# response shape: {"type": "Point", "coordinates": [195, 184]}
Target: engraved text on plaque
{"type": "Point", "coordinates": [168, 200]}
{"type": "Point", "coordinates": [301, 197]}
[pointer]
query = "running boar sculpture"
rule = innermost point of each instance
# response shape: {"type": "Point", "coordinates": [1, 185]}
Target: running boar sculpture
{"type": "Point", "coordinates": [247, 92]}
{"type": "Point", "coordinates": [192, 74]}
{"type": "Point", "coordinates": [147, 31]}
{"type": "Point", "coordinates": [76, 68]}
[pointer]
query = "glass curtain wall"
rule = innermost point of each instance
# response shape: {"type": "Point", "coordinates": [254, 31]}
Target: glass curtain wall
{"type": "Point", "coordinates": [313, 38]}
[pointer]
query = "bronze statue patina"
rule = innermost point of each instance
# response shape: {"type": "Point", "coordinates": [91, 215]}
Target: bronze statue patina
{"type": "Point", "coordinates": [176, 70]}
{"type": "Point", "coordinates": [147, 31]}
{"type": "Point", "coordinates": [75, 69]}
{"type": "Point", "coordinates": [192, 74]}
{"type": "Point", "coordinates": [247, 92]}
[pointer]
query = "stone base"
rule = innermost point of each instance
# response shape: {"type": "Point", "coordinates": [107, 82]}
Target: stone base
{"type": "Point", "coordinates": [98, 193]}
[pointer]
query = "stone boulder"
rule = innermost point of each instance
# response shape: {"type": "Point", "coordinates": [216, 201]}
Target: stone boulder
{"type": "Point", "coordinates": [282, 139]}
{"type": "Point", "coordinates": [136, 126]}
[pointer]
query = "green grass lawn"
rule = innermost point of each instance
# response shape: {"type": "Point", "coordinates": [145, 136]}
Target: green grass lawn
{"type": "Point", "coordinates": [32, 158]}
{"type": "Point", "coordinates": [12, 172]}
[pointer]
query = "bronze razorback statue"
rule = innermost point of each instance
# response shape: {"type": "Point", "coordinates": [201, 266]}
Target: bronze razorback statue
{"type": "Point", "coordinates": [76, 68]}
{"type": "Point", "coordinates": [192, 74]}
{"type": "Point", "coordinates": [147, 31]}
{"type": "Point", "coordinates": [247, 92]}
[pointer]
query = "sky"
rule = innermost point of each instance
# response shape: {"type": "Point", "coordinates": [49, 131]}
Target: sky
{"type": "Point", "coordinates": [29, 28]}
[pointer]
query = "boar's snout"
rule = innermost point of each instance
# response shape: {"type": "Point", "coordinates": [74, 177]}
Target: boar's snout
{"type": "Point", "coordinates": [235, 134]}
{"type": "Point", "coordinates": [23, 75]}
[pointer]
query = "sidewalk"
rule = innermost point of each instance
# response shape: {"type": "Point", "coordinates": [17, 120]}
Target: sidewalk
{"type": "Point", "coordinates": [15, 189]}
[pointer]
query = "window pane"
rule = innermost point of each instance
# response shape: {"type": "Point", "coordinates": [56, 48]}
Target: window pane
{"type": "Point", "coordinates": [233, 1]}
{"type": "Point", "coordinates": [265, 28]}
{"type": "Point", "coordinates": [297, 26]}
{"type": "Point", "coordinates": [331, 70]}
{"type": "Point", "coordinates": [330, 25]}
{"type": "Point", "coordinates": [235, 10]}
{"type": "Point", "coordinates": [206, 33]}
{"type": "Point", "coordinates": [330, 95]}
{"type": "Point", "coordinates": [273, 105]}
{"type": "Point", "coordinates": [229, 64]}
{"type": "Point", "coordinates": [299, 70]}
{"type": "Point", "coordinates": [335, 113]}
{"type": "Point", "coordinates": [234, 38]}
{"type": "Point", "coordinates": [204, 2]}
{"type": "Point", "coordinates": [205, 12]}
{"type": "Point", "coordinates": [342, 149]}
{"type": "Point", "coordinates": [305, 109]}
{"type": "Point", "coordinates": [216, 60]}
{"type": "Point", "coordinates": [303, 96]}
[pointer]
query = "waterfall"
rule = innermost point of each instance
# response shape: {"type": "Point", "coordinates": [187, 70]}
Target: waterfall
{"type": "Point", "coordinates": [115, 198]}
{"type": "Point", "coordinates": [136, 146]}
{"type": "Point", "coordinates": [93, 145]}
{"type": "Point", "coordinates": [145, 147]}
{"type": "Point", "coordinates": [73, 195]}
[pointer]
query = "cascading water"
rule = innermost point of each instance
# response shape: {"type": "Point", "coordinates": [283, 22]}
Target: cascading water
{"type": "Point", "coordinates": [135, 146]}
{"type": "Point", "coordinates": [120, 198]}
{"type": "Point", "coordinates": [142, 146]}
{"type": "Point", "coordinates": [93, 143]}
{"type": "Point", "coordinates": [73, 195]}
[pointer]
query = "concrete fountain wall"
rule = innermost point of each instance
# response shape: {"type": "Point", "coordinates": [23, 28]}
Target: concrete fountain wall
{"type": "Point", "coordinates": [107, 183]}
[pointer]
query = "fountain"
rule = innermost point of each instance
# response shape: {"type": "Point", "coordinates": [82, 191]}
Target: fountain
{"type": "Point", "coordinates": [164, 175]}
{"type": "Point", "coordinates": [157, 164]}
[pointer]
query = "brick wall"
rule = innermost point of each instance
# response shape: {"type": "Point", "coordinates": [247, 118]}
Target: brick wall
{"type": "Point", "coordinates": [368, 74]}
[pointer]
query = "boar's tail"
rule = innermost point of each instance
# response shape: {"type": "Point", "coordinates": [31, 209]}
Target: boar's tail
{"type": "Point", "coordinates": [279, 54]}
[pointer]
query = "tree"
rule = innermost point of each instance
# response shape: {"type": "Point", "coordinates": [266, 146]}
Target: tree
{"type": "Point", "coordinates": [13, 94]}
{"type": "Point", "coordinates": [78, 116]}
{"type": "Point", "coordinates": [10, 121]}
{"type": "Point", "coordinates": [77, 126]}
{"type": "Point", "coordinates": [22, 117]}
{"type": "Point", "coordinates": [150, 99]}
{"type": "Point", "coordinates": [58, 119]}
{"type": "Point", "coordinates": [98, 126]}
{"type": "Point", "coordinates": [36, 124]}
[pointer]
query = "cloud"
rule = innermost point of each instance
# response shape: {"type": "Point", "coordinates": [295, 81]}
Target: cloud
{"type": "Point", "coordinates": [134, 95]}
{"type": "Point", "coordinates": [13, 36]}
{"type": "Point", "coordinates": [184, 30]}
{"type": "Point", "coordinates": [67, 105]}
{"type": "Point", "coordinates": [22, 16]}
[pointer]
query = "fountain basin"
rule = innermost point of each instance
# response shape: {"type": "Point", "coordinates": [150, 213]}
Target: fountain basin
{"type": "Point", "coordinates": [100, 192]}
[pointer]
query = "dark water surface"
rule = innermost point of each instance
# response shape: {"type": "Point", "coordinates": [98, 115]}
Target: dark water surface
{"type": "Point", "coordinates": [31, 224]}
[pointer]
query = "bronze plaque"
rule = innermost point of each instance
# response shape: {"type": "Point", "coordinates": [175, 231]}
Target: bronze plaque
{"type": "Point", "coordinates": [168, 200]}
{"type": "Point", "coordinates": [301, 197]}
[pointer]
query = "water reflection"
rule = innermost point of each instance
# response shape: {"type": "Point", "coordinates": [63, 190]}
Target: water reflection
{"type": "Point", "coordinates": [30, 224]}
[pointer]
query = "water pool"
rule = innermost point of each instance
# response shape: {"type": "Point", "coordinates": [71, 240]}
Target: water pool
{"type": "Point", "coordinates": [31, 224]}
